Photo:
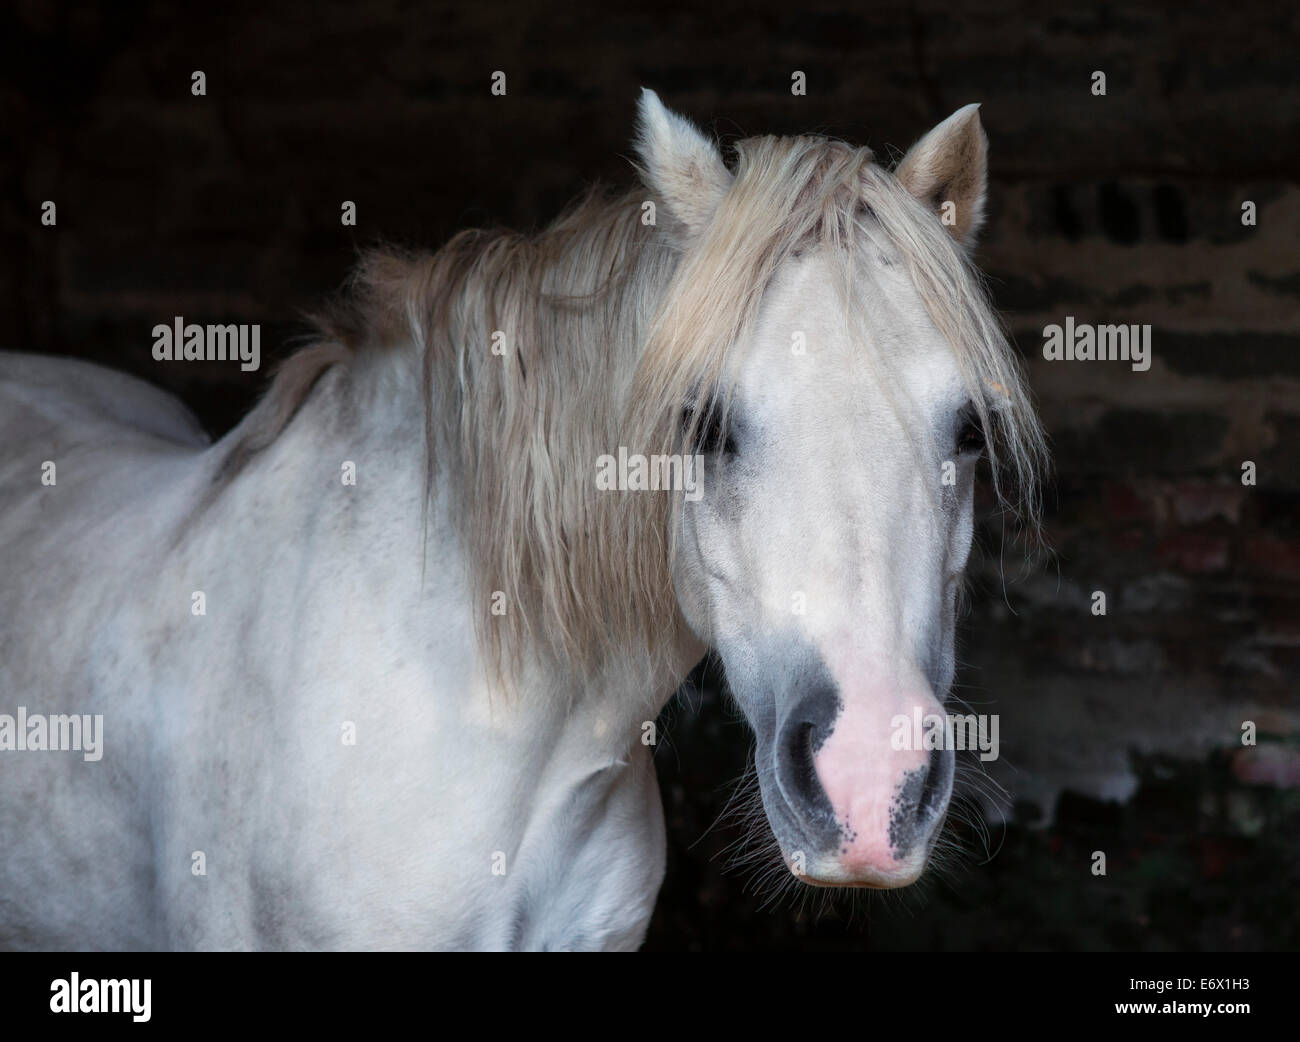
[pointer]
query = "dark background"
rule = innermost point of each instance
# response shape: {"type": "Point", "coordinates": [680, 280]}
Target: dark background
{"type": "Point", "coordinates": [1119, 733]}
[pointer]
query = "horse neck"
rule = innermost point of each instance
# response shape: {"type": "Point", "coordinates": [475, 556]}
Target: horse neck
{"type": "Point", "coordinates": [369, 412]}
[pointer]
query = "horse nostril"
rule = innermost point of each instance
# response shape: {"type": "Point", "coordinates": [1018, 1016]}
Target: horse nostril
{"type": "Point", "coordinates": [803, 797]}
{"type": "Point", "coordinates": [803, 774]}
{"type": "Point", "coordinates": [934, 794]}
{"type": "Point", "coordinates": [920, 802]}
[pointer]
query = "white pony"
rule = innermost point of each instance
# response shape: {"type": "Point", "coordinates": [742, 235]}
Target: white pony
{"type": "Point", "coordinates": [379, 668]}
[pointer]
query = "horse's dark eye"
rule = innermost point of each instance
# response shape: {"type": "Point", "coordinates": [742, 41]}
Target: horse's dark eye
{"type": "Point", "coordinates": [970, 432]}
{"type": "Point", "coordinates": [711, 435]}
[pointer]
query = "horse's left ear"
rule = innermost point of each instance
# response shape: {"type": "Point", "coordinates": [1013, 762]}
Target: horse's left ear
{"type": "Point", "coordinates": [682, 166]}
{"type": "Point", "coordinates": [948, 170]}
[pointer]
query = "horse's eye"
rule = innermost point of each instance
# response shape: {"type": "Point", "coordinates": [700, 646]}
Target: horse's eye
{"type": "Point", "coordinates": [970, 432]}
{"type": "Point", "coordinates": [712, 435]}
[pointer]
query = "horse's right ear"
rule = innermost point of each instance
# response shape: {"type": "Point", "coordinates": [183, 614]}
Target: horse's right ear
{"type": "Point", "coordinates": [678, 163]}
{"type": "Point", "coordinates": [948, 170]}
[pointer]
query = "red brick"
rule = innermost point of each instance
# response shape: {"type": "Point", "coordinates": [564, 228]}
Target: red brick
{"type": "Point", "coordinates": [1270, 764]}
{"type": "Point", "coordinates": [1195, 502]}
{"type": "Point", "coordinates": [1274, 557]}
{"type": "Point", "coordinates": [1194, 552]}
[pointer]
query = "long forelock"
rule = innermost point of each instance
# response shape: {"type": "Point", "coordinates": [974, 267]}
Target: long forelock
{"type": "Point", "coordinates": [955, 297]}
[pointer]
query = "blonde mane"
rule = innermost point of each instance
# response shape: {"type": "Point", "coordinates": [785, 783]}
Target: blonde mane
{"type": "Point", "coordinates": [611, 328]}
